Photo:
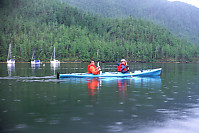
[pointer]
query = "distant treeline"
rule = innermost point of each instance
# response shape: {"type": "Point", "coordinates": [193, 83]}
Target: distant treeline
{"type": "Point", "coordinates": [42, 25]}
{"type": "Point", "coordinates": [180, 18]}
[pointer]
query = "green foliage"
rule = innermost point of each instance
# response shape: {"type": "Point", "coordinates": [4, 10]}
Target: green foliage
{"type": "Point", "coordinates": [180, 18]}
{"type": "Point", "coordinates": [42, 25]}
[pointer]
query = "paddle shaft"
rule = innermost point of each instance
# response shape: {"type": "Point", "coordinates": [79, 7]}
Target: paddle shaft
{"type": "Point", "coordinates": [127, 66]}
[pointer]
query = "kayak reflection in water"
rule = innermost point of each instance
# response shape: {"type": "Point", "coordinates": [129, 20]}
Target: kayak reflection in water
{"type": "Point", "coordinates": [93, 86]}
{"type": "Point", "coordinates": [123, 67]}
{"type": "Point", "coordinates": [93, 69]}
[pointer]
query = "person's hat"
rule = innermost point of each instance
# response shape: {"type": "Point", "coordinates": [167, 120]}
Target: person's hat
{"type": "Point", "coordinates": [123, 60]}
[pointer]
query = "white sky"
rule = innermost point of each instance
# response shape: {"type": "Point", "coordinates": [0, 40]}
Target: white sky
{"type": "Point", "coordinates": [191, 2]}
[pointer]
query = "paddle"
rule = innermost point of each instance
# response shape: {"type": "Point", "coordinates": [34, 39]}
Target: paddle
{"type": "Point", "coordinates": [128, 69]}
{"type": "Point", "coordinates": [127, 66]}
{"type": "Point", "coordinates": [98, 66]}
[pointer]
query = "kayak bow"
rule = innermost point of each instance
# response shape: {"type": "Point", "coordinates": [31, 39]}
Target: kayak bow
{"type": "Point", "coordinates": [149, 72]}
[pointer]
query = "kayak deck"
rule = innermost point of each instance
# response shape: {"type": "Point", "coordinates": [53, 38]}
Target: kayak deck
{"type": "Point", "coordinates": [149, 72]}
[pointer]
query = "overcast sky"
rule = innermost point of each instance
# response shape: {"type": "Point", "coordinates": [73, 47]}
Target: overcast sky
{"type": "Point", "coordinates": [191, 2]}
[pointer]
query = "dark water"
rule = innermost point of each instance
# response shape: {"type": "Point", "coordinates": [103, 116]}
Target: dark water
{"type": "Point", "coordinates": [32, 100]}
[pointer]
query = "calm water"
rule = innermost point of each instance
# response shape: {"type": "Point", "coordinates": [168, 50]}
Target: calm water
{"type": "Point", "coordinates": [32, 100]}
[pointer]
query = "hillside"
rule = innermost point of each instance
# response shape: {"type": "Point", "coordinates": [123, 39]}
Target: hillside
{"type": "Point", "coordinates": [179, 18]}
{"type": "Point", "coordinates": [41, 25]}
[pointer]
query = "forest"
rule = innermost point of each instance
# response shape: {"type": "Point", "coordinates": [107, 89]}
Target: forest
{"type": "Point", "coordinates": [178, 17]}
{"type": "Point", "coordinates": [39, 25]}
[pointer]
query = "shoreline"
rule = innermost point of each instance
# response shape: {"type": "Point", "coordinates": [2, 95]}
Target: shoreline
{"type": "Point", "coordinates": [112, 62]}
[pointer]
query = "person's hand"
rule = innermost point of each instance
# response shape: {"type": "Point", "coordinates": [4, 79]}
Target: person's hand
{"type": "Point", "coordinates": [99, 68]}
{"type": "Point", "coordinates": [127, 68]}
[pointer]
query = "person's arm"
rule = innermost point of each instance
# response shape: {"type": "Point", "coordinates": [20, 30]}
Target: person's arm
{"type": "Point", "coordinates": [94, 71]}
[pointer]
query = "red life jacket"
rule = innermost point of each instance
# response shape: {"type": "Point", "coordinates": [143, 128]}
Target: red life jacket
{"type": "Point", "coordinates": [119, 67]}
{"type": "Point", "coordinates": [89, 71]}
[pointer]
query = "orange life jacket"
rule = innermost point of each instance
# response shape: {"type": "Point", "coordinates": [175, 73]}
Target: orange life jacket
{"type": "Point", "coordinates": [119, 67]}
{"type": "Point", "coordinates": [89, 71]}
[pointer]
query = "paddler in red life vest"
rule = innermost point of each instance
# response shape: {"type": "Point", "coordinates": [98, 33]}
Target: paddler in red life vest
{"type": "Point", "coordinates": [93, 69]}
{"type": "Point", "coordinates": [122, 67]}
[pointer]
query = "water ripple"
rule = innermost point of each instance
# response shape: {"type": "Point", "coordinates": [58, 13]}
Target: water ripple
{"type": "Point", "coordinates": [54, 122]}
{"type": "Point", "coordinates": [76, 118]}
{"type": "Point", "coordinates": [21, 126]}
{"type": "Point", "coordinates": [40, 120]}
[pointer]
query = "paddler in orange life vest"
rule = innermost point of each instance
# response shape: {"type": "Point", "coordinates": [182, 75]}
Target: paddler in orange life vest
{"type": "Point", "coordinates": [122, 67]}
{"type": "Point", "coordinates": [93, 69]}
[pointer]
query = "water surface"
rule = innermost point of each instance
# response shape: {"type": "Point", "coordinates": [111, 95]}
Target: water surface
{"type": "Point", "coordinates": [33, 100]}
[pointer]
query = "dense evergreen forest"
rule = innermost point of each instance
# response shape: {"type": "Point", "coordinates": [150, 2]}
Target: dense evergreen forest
{"type": "Point", "coordinates": [180, 18]}
{"type": "Point", "coordinates": [41, 25]}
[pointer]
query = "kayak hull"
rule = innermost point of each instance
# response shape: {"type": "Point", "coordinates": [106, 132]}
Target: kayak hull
{"type": "Point", "coordinates": [150, 72]}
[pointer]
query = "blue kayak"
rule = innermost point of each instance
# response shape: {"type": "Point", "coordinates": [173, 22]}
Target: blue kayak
{"type": "Point", "coordinates": [149, 72]}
